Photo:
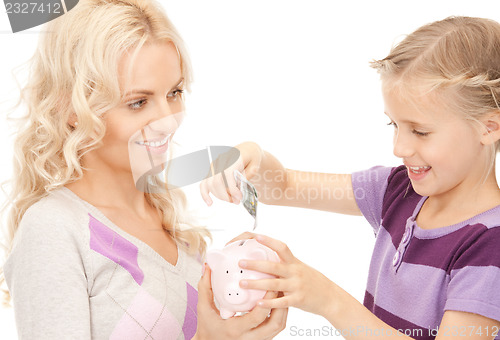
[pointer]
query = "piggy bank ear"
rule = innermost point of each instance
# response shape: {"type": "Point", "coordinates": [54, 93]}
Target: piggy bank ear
{"type": "Point", "coordinates": [257, 254]}
{"type": "Point", "coordinates": [214, 258]}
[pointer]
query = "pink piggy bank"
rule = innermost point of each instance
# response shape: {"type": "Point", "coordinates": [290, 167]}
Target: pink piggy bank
{"type": "Point", "coordinates": [226, 275]}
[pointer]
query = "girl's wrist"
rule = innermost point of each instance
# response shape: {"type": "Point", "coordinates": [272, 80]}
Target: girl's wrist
{"type": "Point", "coordinates": [332, 306]}
{"type": "Point", "coordinates": [251, 153]}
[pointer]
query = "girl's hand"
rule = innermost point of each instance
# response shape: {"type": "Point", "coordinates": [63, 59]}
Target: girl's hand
{"type": "Point", "coordinates": [260, 323]}
{"type": "Point", "coordinates": [303, 286]}
{"type": "Point", "coordinates": [223, 185]}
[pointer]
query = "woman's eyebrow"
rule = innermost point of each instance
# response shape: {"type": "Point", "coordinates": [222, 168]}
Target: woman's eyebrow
{"type": "Point", "coordinates": [149, 92]}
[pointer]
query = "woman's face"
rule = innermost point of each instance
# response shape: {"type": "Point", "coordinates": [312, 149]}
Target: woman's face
{"type": "Point", "coordinates": [442, 151]}
{"type": "Point", "coordinates": [140, 128]}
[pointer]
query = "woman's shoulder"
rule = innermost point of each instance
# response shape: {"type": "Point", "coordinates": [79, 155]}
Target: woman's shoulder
{"type": "Point", "coordinates": [60, 201]}
{"type": "Point", "coordinates": [56, 212]}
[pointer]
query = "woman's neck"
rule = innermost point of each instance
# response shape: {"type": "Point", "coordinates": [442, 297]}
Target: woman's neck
{"type": "Point", "coordinates": [104, 189]}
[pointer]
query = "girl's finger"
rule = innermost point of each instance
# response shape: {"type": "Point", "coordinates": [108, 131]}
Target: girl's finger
{"type": "Point", "coordinates": [244, 236]}
{"type": "Point", "coordinates": [279, 247]}
{"type": "Point", "coordinates": [275, 285]}
{"type": "Point", "coordinates": [205, 193]}
{"type": "Point", "coordinates": [233, 189]}
{"type": "Point", "coordinates": [268, 267]}
{"type": "Point", "coordinates": [281, 302]}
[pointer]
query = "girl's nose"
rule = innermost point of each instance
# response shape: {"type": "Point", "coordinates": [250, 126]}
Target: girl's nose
{"type": "Point", "coordinates": [403, 147]}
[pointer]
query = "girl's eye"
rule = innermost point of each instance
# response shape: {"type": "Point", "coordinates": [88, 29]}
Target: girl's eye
{"type": "Point", "coordinates": [416, 132]}
{"type": "Point", "coordinates": [137, 105]}
{"type": "Point", "coordinates": [420, 133]}
{"type": "Point", "coordinates": [176, 94]}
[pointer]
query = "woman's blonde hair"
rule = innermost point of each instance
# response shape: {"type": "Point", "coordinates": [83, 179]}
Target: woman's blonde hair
{"type": "Point", "coordinates": [74, 71]}
{"type": "Point", "coordinates": [456, 61]}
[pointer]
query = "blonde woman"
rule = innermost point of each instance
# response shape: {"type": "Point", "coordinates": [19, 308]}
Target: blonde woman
{"type": "Point", "coordinates": [95, 251]}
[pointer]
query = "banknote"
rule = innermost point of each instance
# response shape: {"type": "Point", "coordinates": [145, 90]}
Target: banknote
{"type": "Point", "coordinates": [250, 198]}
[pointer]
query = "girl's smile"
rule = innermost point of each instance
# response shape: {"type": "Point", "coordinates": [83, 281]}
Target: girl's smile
{"type": "Point", "coordinates": [441, 150]}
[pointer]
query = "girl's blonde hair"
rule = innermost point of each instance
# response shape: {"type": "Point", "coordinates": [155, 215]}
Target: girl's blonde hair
{"type": "Point", "coordinates": [455, 60]}
{"type": "Point", "coordinates": [75, 72]}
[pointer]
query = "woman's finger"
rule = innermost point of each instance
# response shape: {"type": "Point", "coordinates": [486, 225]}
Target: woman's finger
{"type": "Point", "coordinates": [252, 319]}
{"type": "Point", "coordinates": [274, 324]}
{"type": "Point", "coordinates": [205, 293]}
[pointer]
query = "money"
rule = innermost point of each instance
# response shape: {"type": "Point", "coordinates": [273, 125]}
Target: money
{"type": "Point", "coordinates": [249, 193]}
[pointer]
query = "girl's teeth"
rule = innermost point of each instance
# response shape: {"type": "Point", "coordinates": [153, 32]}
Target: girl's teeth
{"type": "Point", "coordinates": [419, 169]}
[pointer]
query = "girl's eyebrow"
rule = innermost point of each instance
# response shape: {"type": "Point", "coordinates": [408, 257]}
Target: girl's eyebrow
{"type": "Point", "coordinates": [149, 92]}
{"type": "Point", "coordinates": [410, 122]}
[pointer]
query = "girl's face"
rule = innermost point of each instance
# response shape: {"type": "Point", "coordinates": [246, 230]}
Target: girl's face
{"type": "Point", "coordinates": [442, 151]}
{"type": "Point", "coordinates": [139, 129]}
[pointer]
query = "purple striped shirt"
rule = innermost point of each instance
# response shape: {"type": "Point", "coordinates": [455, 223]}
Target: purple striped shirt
{"type": "Point", "coordinates": [417, 274]}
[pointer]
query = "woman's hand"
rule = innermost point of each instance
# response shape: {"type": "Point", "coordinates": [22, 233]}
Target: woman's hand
{"type": "Point", "coordinates": [260, 323]}
{"type": "Point", "coordinates": [223, 185]}
{"type": "Point", "coordinates": [303, 286]}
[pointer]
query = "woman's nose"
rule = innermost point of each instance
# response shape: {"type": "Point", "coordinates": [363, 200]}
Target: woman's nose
{"type": "Point", "coordinates": [165, 109]}
{"type": "Point", "coordinates": [167, 123]}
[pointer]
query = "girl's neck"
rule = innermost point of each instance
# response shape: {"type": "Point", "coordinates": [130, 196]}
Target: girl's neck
{"type": "Point", "coordinates": [459, 205]}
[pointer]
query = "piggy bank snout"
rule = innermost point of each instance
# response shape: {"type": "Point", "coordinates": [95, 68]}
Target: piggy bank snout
{"type": "Point", "coordinates": [235, 295]}
{"type": "Point", "coordinates": [226, 275]}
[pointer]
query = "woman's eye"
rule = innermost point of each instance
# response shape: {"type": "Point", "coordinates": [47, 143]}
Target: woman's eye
{"type": "Point", "coordinates": [137, 105]}
{"type": "Point", "coordinates": [176, 94]}
{"type": "Point", "coordinates": [393, 124]}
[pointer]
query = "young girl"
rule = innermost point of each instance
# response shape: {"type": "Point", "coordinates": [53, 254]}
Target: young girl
{"type": "Point", "coordinates": [436, 264]}
{"type": "Point", "coordinates": [95, 249]}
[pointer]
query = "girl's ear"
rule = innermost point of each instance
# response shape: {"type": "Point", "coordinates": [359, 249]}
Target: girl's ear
{"type": "Point", "coordinates": [491, 132]}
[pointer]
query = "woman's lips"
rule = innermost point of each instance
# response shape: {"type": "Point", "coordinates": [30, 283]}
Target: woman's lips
{"type": "Point", "coordinates": [157, 146]}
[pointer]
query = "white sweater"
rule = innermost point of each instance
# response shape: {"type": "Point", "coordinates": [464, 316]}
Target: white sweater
{"type": "Point", "coordinates": [73, 274]}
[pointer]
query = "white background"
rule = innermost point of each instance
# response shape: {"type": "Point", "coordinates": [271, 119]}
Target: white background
{"type": "Point", "coordinates": [294, 77]}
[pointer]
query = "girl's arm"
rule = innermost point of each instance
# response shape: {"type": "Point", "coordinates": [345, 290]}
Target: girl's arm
{"type": "Point", "coordinates": [277, 185]}
{"type": "Point", "coordinates": [309, 290]}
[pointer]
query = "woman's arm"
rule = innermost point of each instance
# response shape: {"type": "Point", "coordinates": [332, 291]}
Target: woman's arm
{"type": "Point", "coordinates": [277, 185]}
{"type": "Point", "coordinates": [46, 278]}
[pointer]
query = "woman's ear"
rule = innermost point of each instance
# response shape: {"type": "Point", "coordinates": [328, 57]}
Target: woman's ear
{"type": "Point", "coordinates": [491, 132]}
{"type": "Point", "coordinates": [73, 120]}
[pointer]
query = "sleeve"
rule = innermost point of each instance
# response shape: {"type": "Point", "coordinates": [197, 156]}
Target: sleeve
{"type": "Point", "coordinates": [369, 187]}
{"type": "Point", "coordinates": [46, 278]}
{"type": "Point", "coordinates": [474, 285]}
